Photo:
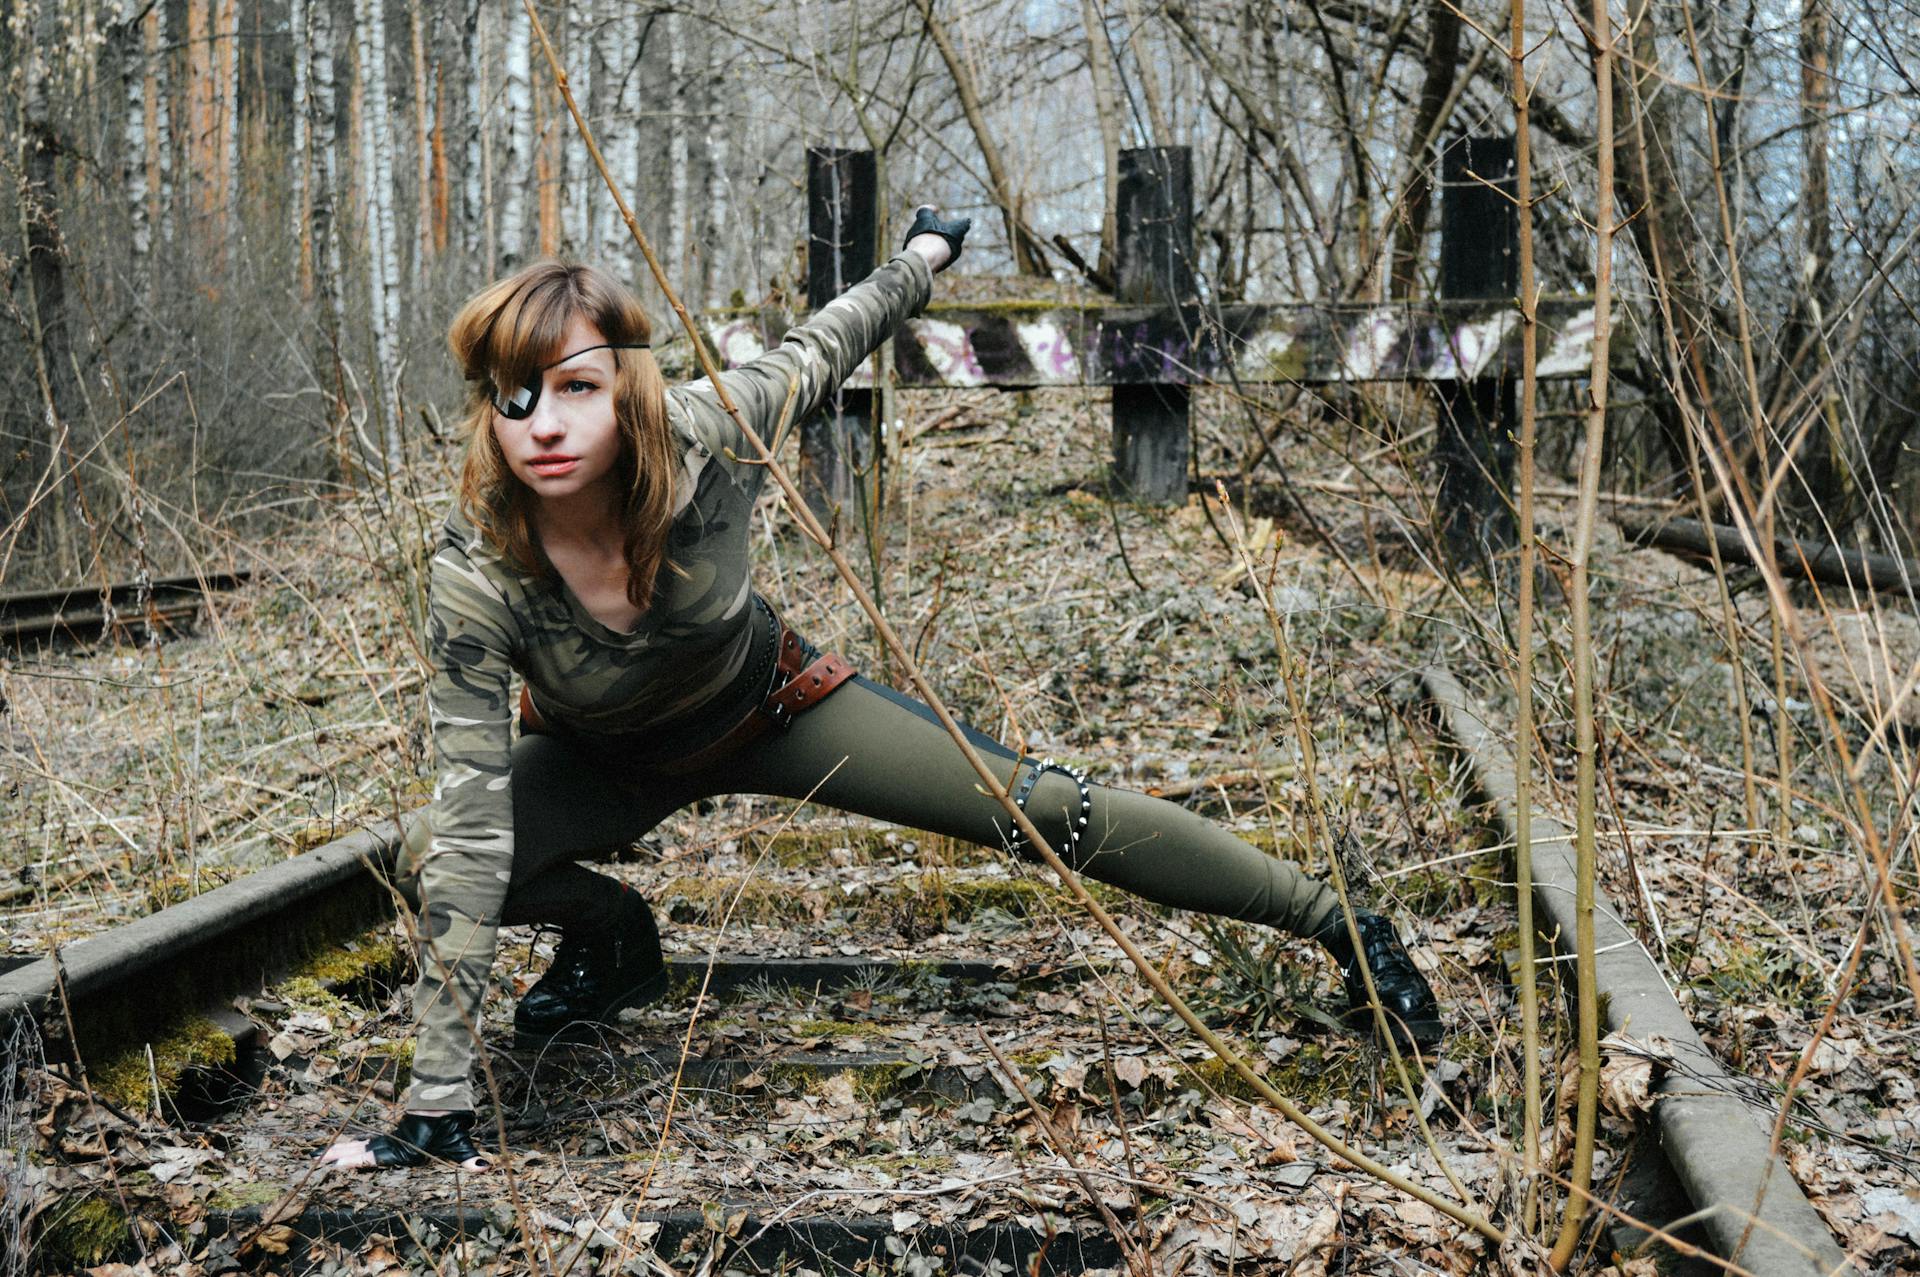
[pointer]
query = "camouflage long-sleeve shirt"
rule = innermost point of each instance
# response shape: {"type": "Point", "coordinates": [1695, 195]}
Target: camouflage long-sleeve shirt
{"type": "Point", "coordinates": [488, 620]}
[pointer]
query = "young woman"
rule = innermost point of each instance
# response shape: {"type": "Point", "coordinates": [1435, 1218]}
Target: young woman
{"type": "Point", "coordinates": [599, 550]}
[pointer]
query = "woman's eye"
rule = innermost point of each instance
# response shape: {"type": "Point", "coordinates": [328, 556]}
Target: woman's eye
{"type": "Point", "coordinates": [577, 385]}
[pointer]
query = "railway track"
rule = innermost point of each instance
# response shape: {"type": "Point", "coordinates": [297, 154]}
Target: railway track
{"type": "Point", "coordinates": [88, 611]}
{"type": "Point", "coordinates": [848, 1096]}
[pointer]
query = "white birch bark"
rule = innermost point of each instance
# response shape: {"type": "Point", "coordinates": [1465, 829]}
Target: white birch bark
{"type": "Point", "coordinates": [577, 169]}
{"type": "Point", "coordinates": [134, 85]}
{"type": "Point", "coordinates": [676, 129]}
{"type": "Point", "coordinates": [159, 85]}
{"type": "Point", "coordinates": [376, 167]}
{"type": "Point", "coordinates": [302, 226]}
{"type": "Point", "coordinates": [517, 163]}
{"type": "Point", "coordinates": [714, 137]}
{"type": "Point", "coordinates": [626, 156]}
{"type": "Point", "coordinates": [326, 147]}
{"type": "Point", "coordinates": [228, 66]}
{"type": "Point", "coordinates": [473, 53]}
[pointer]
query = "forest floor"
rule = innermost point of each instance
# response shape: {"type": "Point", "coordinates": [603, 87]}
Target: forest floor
{"type": "Point", "coordinates": [1125, 641]}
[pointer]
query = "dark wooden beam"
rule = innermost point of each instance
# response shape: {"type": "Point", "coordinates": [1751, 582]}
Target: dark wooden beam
{"type": "Point", "coordinates": [1473, 446]}
{"type": "Point", "coordinates": [839, 466]}
{"type": "Point", "coordinates": [1807, 560]}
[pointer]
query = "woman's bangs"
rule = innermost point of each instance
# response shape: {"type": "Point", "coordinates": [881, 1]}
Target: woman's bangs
{"type": "Point", "coordinates": [527, 333]}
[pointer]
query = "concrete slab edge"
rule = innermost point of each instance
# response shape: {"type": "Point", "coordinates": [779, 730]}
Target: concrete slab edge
{"type": "Point", "coordinates": [104, 961]}
{"type": "Point", "coordinates": [841, 1243]}
{"type": "Point", "coordinates": [1713, 1138]}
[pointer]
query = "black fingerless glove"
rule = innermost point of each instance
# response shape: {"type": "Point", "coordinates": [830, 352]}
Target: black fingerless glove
{"type": "Point", "coordinates": [952, 230]}
{"type": "Point", "coordinates": [418, 1139]}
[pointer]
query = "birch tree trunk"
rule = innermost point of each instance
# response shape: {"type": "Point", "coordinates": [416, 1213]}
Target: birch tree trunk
{"type": "Point", "coordinates": [626, 157]}
{"type": "Point", "coordinates": [676, 127]}
{"type": "Point", "coordinates": [201, 150]}
{"type": "Point", "coordinates": [440, 193]}
{"type": "Point", "coordinates": [159, 119]}
{"type": "Point", "coordinates": [376, 176]}
{"type": "Point", "coordinates": [713, 227]}
{"type": "Point", "coordinates": [134, 81]}
{"type": "Point", "coordinates": [422, 147]}
{"type": "Point", "coordinates": [546, 182]}
{"type": "Point", "coordinates": [302, 158]}
{"type": "Point", "coordinates": [517, 160]}
{"type": "Point", "coordinates": [582, 27]}
{"type": "Point", "coordinates": [45, 276]}
{"type": "Point", "coordinates": [326, 182]}
{"type": "Point", "coordinates": [1442, 58]}
{"type": "Point", "coordinates": [1028, 257]}
{"type": "Point", "coordinates": [227, 64]}
{"type": "Point", "coordinates": [1106, 109]}
{"type": "Point", "coordinates": [473, 58]}
{"type": "Point", "coordinates": [1149, 79]}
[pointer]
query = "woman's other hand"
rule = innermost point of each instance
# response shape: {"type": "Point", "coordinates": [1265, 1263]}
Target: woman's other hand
{"type": "Point", "coordinates": [418, 1138]}
{"type": "Point", "coordinates": [936, 239]}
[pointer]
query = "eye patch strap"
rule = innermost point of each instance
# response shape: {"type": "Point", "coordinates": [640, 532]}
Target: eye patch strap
{"type": "Point", "coordinates": [520, 404]}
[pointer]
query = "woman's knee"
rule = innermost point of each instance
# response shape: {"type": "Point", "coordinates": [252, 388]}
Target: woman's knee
{"type": "Point", "coordinates": [407, 860]}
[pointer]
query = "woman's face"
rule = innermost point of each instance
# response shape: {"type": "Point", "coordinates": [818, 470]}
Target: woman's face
{"type": "Point", "coordinates": [570, 442]}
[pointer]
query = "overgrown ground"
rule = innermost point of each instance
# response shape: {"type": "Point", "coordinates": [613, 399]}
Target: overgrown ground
{"type": "Point", "coordinates": [1128, 642]}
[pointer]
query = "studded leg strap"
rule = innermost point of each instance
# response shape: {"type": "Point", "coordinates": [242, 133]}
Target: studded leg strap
{"type": "Point", "coordinates": [1076, 828]}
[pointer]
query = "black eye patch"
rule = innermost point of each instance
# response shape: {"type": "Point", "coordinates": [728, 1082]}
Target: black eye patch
{"type": "Point", "coordinates": [518, 404]}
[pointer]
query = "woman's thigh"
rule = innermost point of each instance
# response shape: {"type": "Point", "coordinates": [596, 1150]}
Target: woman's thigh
{"type": "Point", "coordinates": [570, 802]}
{"type": "Point", "coordinates": [871, 751]}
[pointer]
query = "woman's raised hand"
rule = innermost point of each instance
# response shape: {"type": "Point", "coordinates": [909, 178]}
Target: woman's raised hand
{"type": "Point", "coordinates": [935, 238]}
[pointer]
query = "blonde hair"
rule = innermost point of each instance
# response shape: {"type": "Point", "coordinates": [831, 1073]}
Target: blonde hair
{"type": "Point", "coordinates": [504, 334]}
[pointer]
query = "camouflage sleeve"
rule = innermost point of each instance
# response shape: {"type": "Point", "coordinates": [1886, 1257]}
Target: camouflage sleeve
{"type": "Point", "coordinates": [819, 355]}
{"type": "Point", "coordinates": [468, 862]}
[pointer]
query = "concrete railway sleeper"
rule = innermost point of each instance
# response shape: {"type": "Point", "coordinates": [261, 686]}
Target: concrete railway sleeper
{"type": "Point", "coordinates": [1743, 1197]}
{"type": "Point", "coordinates": [224, 985]}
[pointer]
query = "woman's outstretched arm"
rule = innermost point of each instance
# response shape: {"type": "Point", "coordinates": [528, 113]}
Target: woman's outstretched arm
{"type": "Point", "coordinates": [822, 352]}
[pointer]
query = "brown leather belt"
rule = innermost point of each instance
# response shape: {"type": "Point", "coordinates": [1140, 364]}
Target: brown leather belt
{"type": "Point", "coordinates": [797, 686]}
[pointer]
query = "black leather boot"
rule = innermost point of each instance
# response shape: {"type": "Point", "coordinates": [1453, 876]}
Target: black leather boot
{"type": "Point", "coordinates": [594, 974]}
{"type": "Point", "coordinates": [417, 1140]}
{"type": "Point", "coordinates": [1405, 995]}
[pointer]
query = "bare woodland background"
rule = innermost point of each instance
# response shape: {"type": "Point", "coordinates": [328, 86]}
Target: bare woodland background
{"type": "Point", "coordinates": [237, 228]}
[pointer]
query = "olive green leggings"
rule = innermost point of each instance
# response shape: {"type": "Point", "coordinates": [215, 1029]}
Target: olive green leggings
{"type": "Point", "coordinates": [869, 750]}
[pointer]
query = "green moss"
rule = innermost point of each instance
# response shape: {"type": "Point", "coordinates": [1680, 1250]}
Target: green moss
{"type": "Point", "coordinates": [199, 1043]}
{"type": "Point", "coordinates": [82, 1233]}
{"type": "Point", "coordinates": [838, 1029]}
{"type": "Point", "coordinates": [171, 889]}
{"type": "Point", "coordinates": [1289, 363]}
{"type": "Point", "coordinates": [307, 994]}
{"type": "Point", "coordinates": [705, 901]}
{"type": "Point", "coordinates": [875, 1082]}
{"type": "Point", "coordinates": [1316, 1074]}
{"type": "Point", "coordinates": [964, 898]}
{"type": "Point", "coordinates": [370, 958]}
{"type": "Point", "coordinates": [236, 1195]}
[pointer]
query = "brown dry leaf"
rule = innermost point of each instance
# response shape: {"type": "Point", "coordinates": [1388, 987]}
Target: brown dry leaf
{"type": "Point", "coordinates": [1632, 1268]}
{"type": "Point", "coordinates": [274, 1240]}
{"type": "Point", "coordinates": [1834, 1056]}
{"type": "Point", "coordinates": [1130, 1069]}
{"type": "Point", "coordinates": [1521, 1256]}
{"type": "Point", "coordinates": [1627, 1072]}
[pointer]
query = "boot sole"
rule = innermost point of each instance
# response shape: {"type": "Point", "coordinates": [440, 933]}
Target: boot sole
{"type": "Point", "coordinates": [647, 992]}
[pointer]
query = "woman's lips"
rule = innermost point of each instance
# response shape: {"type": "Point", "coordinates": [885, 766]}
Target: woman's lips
{"type": "Point", "coordinates": [549, 467]}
